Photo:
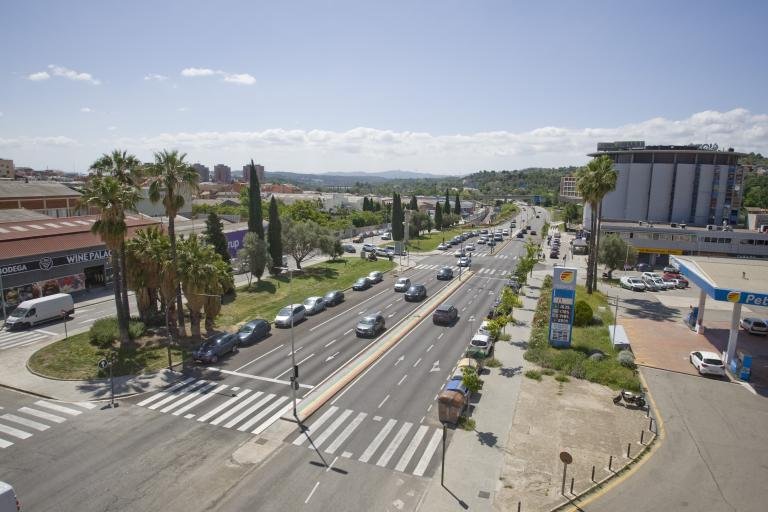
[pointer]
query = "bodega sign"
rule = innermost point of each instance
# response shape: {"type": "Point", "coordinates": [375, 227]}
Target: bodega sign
{"type": "Point", "coordinates": [562, 307]}
{"type": "Point", "coordinates": [47, 263]}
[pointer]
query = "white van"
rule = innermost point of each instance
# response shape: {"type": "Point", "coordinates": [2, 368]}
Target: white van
{"type": "Point", "coordinates": [8, 500]}
{"type": "Point", "coordinates": [43, 309]}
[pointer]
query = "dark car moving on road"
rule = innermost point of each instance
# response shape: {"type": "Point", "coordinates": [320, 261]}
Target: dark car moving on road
{"type": "Point", "coordinates": [210, 351]}
{"type": "Point", "coordinates": [416, 292]}
{"type": "Point", "coordinates": [445, 273]}
{"type": "Point", "coordinates": [334, 297]}
{"type": "Point", "coordinates": [445, 314]}
{"type": "Point", "coordinates": [370, 325]}
{"type": "Point", "coordinates": [363, 283]}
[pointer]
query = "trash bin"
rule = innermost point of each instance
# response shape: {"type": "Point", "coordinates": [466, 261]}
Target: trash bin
{"type": "Point", "coordinates": [452, 401]}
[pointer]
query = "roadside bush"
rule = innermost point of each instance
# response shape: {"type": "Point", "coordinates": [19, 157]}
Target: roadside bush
{"type": "Point", "coordinates": [492, 363]}
{"type": "Point", "coordinates": [562, 378]}
{"type": "Point", "coordinates": [626, 359]}
{"type": "Point", "coordinates": [471, 380]}
{"type": "Point", "coordinates": [548, 371]}
{"type": "Point", "coordinates": [583, 315]}
{"type": "Point", "coordinates": [466, 423]}
{"type": "Point", "coordinates": [533, 374]}
{"type": "Point", "coordinates": [105, 331]}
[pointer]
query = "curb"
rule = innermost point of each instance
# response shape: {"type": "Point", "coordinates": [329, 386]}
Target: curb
{"type": "Point", "coordinates": [26, 392]}
{"type": "Point", "coordinates": [355, 366]}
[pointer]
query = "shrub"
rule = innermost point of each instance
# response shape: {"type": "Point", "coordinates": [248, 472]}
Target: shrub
{"type": "Point", "coordinates": [562, 378]}
{"type": "Point", "coordinates": [471, 381]}
{"type": "Point", "coordinates": [533, 374]}
{"type": "Point", "coordinates": [626, 359]}
{"type": "Point", "coordinates": [492, 363]}
{"type": "Point", "coordinates": [584, 313]}
{"type": "Point", "coordinates": [548, 371]}
{"type": "Point", "coordinates": [467, 423]}
{"type": "Point", "coordinates": [105, 331]}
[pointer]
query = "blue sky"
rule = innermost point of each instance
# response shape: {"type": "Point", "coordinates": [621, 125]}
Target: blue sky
{"type": "Point", "coordinates": [437, 86]}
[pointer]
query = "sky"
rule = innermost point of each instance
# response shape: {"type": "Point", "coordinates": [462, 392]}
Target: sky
{"type": "Point", "coordinates": [442, 86]}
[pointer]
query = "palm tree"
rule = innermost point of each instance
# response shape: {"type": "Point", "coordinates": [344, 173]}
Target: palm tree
{"type": "Point", "coordinates": [113, 199]}
{"type": "Point", "coordinates": [148, 255]}
{"type": "Point", "coordinates": [593, 182]}
{"type": "Point", "coordinates": [127, 170]}
{"type": "Point", "coordinates": [170, 178]}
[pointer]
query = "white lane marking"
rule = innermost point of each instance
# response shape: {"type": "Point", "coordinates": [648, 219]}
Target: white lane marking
{"type": "Point", "coordinates": [391, 315]}
{"type": "Point", "coordinates": [42, 415]}
{"type": "Point", "coordinates": [190, 396]}
{"type": "Point", "coordinates": [14, 432]}
{"type": "Point", "coordinates": [347, 332]}
{"type": "Point", "coordinates": [311, 493]}
{"type": "Point", "coordinates": [371, 449]}
{"type": "Point", "coordinates": [346, 455]}
{"type": "Point", "coordinates": [345, 433]}
{"type": "Point", "coordinates": [263, 355]}
{"type": "Point", "coordinates": [20, 343]}
{"type": "Point", "coordinates": [389, 305]}
{"type": "Point", "coordinates": [331, 465]}
{"type": "Point", "coordinates": [223, 406]}
{"type": "Point", "coordinates": [49, 333]}
{"type": "Point", "coordinates": [383, 401]}
{"type": "Point", "coordinates": [332, 428]}
{"type": "Point", "coordinates": [261, 428]}
{"type": "Point", "coordinates": [236, 408]}
{"type": "Point", "coordinates": [251, 422]}
{"type": "Point", "coordinates": [430, 407]}
{"type": "Point", "coordinates": [189, 416]}
{"type": "Point", "coordinates": [5, 444]}
{"type": "Point", "coordinates": [416, 363]}
{"type": "Point", "coordinates": [346, 311]}
{"type": "Point", "coordinates": [86, 405]}
{"type": "Point", "coordinates": [175, 395]}
{"type": "Point", "coordinates": [58, 408]}
{"type": "Point", "coordinates": [441, 335]}
{"type": "Point", "coordinates": [422, 419]}
{"type": "Point", "coordinates": [158, 396]}
{"type": "Point", "coordinates": [401, 380]}
{"type": "Point", "coordinates": [377, 418]}
{"type": "Point", "coordinates": [24, 421]}
{"type": "Point", "coordinates": [430, 347]}
{"type": "Point", "coordinates": [330, 343]}
{"type": "Point", "coordinates": [408, 454]}
{"type": "Point", "coordinates": [291, 368]}
{"type": "Point", "coordinates": [421, 467]}
{"type": "Point", "coordinates": [256, 377]}
{"type": "Point", "coordinates": [250, 410]}
{"type": "Point", "coordinates": [390, 451]}
{"type": "Point", "coordinates": [316, 425]}
{"type": "Point", "coordinates": [294, 352]}
{"type": "Point", "coordinates": [205, 396]}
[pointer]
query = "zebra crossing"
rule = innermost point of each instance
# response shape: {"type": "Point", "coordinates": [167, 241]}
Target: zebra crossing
{"type": "Point", "coordinates": [11, 339]}
{"type": "Point", "coordinates": [244, 409]}
{"type": "Point", "coordinates": [403, 446]}
{"type": "Point", "coordinates": [38, 417]}
{"type": "Point", "coordinates": [436, 267]}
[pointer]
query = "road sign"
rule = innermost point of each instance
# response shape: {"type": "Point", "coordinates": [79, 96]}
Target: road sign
{"type": "Point", "coordinates": [103, 364]}
{"type": "Point", "coordinates": [566, 458]}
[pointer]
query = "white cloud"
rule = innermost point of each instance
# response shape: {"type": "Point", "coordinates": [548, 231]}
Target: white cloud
{"type": "Point", "coordinates": [86, 110]}
{"type": "Point", "coordinates": [156, 77]}
{"type": "Point", "coordinates": [232, 78]}
{"type": "Point", "coordinates": [1, 114]}
{"type": "Point", "coordinates": [39, 76]}
{"type": "Point", "coordinates": [182, 109]}
{"type": "Point", "coordinates": [35, 142]}
{"type": "Point", "coordinates": [111, 128]}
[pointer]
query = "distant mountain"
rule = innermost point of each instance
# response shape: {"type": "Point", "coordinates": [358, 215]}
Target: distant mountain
{"type": "Point", "coordinates": [393, 175]}
{"type": "Point", "coordinates": [346, 178]}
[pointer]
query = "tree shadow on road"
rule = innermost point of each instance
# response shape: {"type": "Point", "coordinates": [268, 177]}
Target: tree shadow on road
{"type": "Point", "coordinates": [487, 438]}
{"type": "Point", "coordinates": [649, 309]}
{"type": "Point", "coordinates": [511, 372]}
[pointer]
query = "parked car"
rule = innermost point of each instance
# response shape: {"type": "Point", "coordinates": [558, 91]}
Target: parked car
{"type": "Point", "coordinates": [469, 248]}
{"type": "Point", "coordinates": [533, 232]}
{"type": "Point", "coordinates": [491, 243]}
{"type": "Point", "coordinates": [754, 325]}
{"type": "Point", "coordinates": [553, 255]}
{"type": "Point", "coordinates": [443, 246]}
{"type": "Point", "coordinates": [386, 236]}
{"type": "Point", "coordinates": [358, 239]}
{"type": "Point", "coordinates": [210, 351]}
{"type": "Point", "coordinates": [370, 325]}
{"type": "Point", "coordinates": [483, 231]}
{"type": "Point", "coordinates": [682, 282]}
{"type": "Point", "coordinates": [362, 283]}
{"type": "Point", "coordinates": [707, 362]}
{"type": "Point", "coordinates": [376, 277]}
{"type": "Point", "coordinates": [445, 273]}
{"type": "Point", "coordinates": [484, 330]}
{"type": "Point", "coordinates": [521, 234]}
{"type": "Point", "coordinates": [382, 251]}
{"type": "Point", "coordinates": [671, 270]}
{"type": "Point", "coordinates": [513, 284]}
{"type": "Point", "coordinates": [9, 502]}
{"type": "Point", "coordinates": [481, 241]}
{"type": "Point", "coordinates": [402, 284]}
{"type": "Point", "coordinates": [445, 314]}
{"type": "Point", "coordinates": [654, 284]}
{"type": "Point", "coordinates": [632, 283]}
{"type": "Point", "coordinates": [369, 247]}
{"type": "Point", "coordinates": [349, 248]}
{"type": "Point", "coordinates": [642, 267]}
{"type": "Point", "coordinates": [314, 305]}
{"type": "Point", "coordinates": [416, 292]}
{"type": "Point", "coordinates": [480, 346]}
{"type": "Point", "coordinates": [293, 313]}
{"type": "Point", "coordinates": [42, 309]}
{"type": "Point", "coordinates": [253, 331]}
{"type": "Point", "coordinates": [333, 297]}
{"type": "Point", "coordinates": [671, 284]}
{"type": "Point", "coordinates": [464, 262]}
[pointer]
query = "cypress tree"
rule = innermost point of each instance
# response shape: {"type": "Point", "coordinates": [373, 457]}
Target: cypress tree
{"type": "Point", "coordinates": [414, 203]}
{"type": "Point", "coordinates": [255, 220]}
{"type": "Point", "coordinates": [397, 218]}
{"type": "Point", "coordinates": [457, 205]}
{"type": "Point", "coordinates": [214, 234]}
{"type": "Point", "coordinates": [274, 235]}
{"type": "Point", "coordinates": [438, 216]}
{"type": "Point", "coordinates": [447, 206]}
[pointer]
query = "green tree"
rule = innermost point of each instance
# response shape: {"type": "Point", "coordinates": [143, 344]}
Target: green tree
{"type": "Point", "coordinates": [457, 206]}
{"type": "Point", "coordinates": [397, 218]}
{"type": "Point", "coordinates": [145, 269]}
{"type": "Point", "coordinates": [593, 182]}
{"type": "Point", "coordinates": [214, 235]}
{"type": "Point", "coordinates": [447, 204]}
{"type": "Point", "coordinates": [112, 198]}
{"type": "Point", "coordinates": [471, 380]}
{"type": "Point", "coordinates": [615, 252]}
{"type": "Point", "coordinates": [414, 204]}
{"type": "Point", "coordinates": [330, 245]}
{"type": "Point", "coordinates": [254, 255]}
{"type": "Point", "coordinates": [170, 178]}
{"type": "Point", "coordinates": [255, 219]}
{"type": "Point", "coordinates": [366, 204]}
{"type": "Point", "coordinates": [275, 237]}
{"type": "Point", "coordinates": [571, 214]}
{"type": "Point", "coordinates": [438, 216]}
{"type": "Point", "coordinates": [300, 239]}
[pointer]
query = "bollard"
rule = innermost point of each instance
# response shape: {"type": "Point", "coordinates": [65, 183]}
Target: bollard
{"type": "Point", "coordinates": [571, 485]}
{"type": "Point", "coordinates": [593, 473]}
{"type": "Point", "coordinates": [650, 424]}
{"type": "Point", "coordinates": [519, 504]}
{"type": "Point", "coordinates": [610, 463]}
{"type": "Point", "coordinates": [629, 445]}
{"type": "Point", "coordinates": [642, 433]}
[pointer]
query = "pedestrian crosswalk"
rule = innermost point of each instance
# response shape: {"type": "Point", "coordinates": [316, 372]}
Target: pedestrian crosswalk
{"type": "Point", "coordinates": [11, 339]}
{"type": "Point", "coordinates": [400, 445]}
{"type": "Point", "coordinates": [455, 268]}
{"type": "Point", "coordinates": [243, 409]}
{"type": "Point", "coordinates": [26, 421]}
{"type": "Point", "coordinates": [499, 272]}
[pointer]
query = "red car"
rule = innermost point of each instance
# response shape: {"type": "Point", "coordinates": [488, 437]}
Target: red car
{"type": "Point", "coordinates": [682, 282]}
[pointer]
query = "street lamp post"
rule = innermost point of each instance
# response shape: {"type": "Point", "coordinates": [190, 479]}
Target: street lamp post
{"type": "Point", "coordinates": [295, 375]}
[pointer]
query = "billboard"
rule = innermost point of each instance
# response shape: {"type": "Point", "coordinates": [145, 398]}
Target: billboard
{"type": "Point", "coordinates": [235, 241]}
{"type": "Point", "coordinates": [562, 307]}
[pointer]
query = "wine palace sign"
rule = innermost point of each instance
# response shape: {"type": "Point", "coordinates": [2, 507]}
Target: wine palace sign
{"type": "Point", "coordinates": [47, 263]}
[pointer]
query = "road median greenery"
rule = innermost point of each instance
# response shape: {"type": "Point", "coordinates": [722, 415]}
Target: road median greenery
{"type": "Point", "coordinates": [591, 356]}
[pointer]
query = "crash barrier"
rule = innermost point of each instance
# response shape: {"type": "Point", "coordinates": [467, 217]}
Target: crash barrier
{"type": "Point", "coordinates": [337, 380]}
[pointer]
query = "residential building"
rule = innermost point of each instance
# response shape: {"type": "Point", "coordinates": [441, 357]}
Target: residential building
{"type": "Point", "coordinates": [259, 172]}
{"type": "Point", "coordinates": [697, 185]}
{"type": "Point", "coordinates": [203, 171]}
{"type": "Point", "coordinates": [280, 188]}
{"type": "Point", "coordinates": [6, 169]}
{"type": "Point", "coordinates": [222, 173]}
{"type": "Point", "coordinates": [568, 191]}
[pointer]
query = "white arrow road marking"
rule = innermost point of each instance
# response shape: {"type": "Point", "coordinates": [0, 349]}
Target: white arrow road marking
{"type": "Point", "coordinates": [435, 366]}
{"type": "Point", "coordinates": [399, 360]}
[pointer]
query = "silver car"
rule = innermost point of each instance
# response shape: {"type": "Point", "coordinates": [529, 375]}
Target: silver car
{"type": "Point", "coordinates": [290, 315]}
{"type": "Point", "coordinates": [314, 305]}
{"type": "Point", "coordinates": [376, 277]}
{"type": "Point", "coordinates": [402, 284]}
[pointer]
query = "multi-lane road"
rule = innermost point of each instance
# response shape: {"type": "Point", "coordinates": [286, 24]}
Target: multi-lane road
{"type": "Point", "coordinates": [374, 442]}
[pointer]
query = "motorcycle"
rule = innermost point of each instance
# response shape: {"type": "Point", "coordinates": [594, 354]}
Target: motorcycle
{"type": "Point", "coordinates": [637, 399]}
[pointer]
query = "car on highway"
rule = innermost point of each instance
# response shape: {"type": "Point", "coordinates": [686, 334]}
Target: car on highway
{"type": "Point", "coordinates": [333, 297]}
{"type": "Point", "coordinates": [481, 241]}
{"type": "Point", "coordinates": [491, 243]}
{"type": "Point", "coordinates": [443, 246]}
{"type": "Point", "coordinates": [707, 362]}
{"type": "Point", "coordinates": [369, 247]}
{"type": "Point", "coordinates": [464, 262]}
{"type": "Point", "coordinates": [210, 351]}
{"type": "Point", "coordinates": [349, 248]}
{"type": "Point", "coordinates": [291, 314]}
{"type": "Point", "coordinates": [376, 277]}
{"type": "Point", "coordinates": [382, 251]}
{"type": "Point", "coordinates": [497, 237]}
{"type": "Point", "coordinates": [416, 292]}
{"type": "Point", "coordinates": [402, 284]}
{"type": "Point", "coordinates": [386, 236]}
{"type": "Point", "coordinates": [469, 248]}
{"type": "Point", "coordinates": [483, 231]}
{"type": "Point", "coordinates": [362, 283]}
{"type": "Point", "coordinates": [521, 234]}
{"type": "Point", "coordinates": [459, 254]}
{"type": "Point", "coordinates": [314, 305]}
{"type": "Point", "coordinates": [533, 232]}
{"type": "Point", "coordinates": [553, 255]}
{"type": "Point", "coordinates": [370, 325]}
{"type": "Point", "coordinates": [253, 331]}
{"type": "Point", "coordinates": [632, 283]}
{"type": "Point", "coordinates": [445, 274]}
{"type": "Point", "coordinates": [754, 325]}
{"type": "Point", "coordinates": [445, 314]}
